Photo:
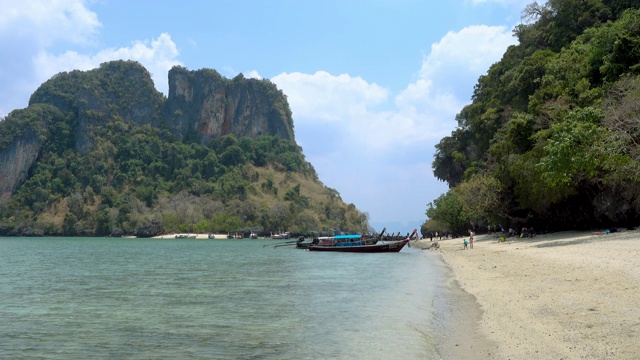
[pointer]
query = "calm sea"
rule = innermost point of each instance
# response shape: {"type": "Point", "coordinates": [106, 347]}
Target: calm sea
{"type": "Point", "coordinates": [103, 298]}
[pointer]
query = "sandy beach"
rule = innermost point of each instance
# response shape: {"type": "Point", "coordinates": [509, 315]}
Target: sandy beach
{"type": "Point", "coordinates": [568, 295]}
{"type": "Point", "coordinates": [188, 235]}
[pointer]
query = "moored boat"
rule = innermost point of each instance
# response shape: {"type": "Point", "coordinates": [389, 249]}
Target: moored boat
{"type": "Point", "coordinates": [284, 235]}
{"type": "Point", "coordinates": [386, 246]}
{"type": "Point", "coordinates": [357, 244]}
{"type": "Point", "coordinates": [302, 244]}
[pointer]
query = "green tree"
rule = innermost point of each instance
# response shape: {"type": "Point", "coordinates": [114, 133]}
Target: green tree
{"type": "Point", "coordinates": [69, 226]}
{"type": "Point", "coordinates": [124, 160]}
{"type": "Point", "coordinates": [569, 156]}
{"type": "Point", "coordinates": [447, 210]}
{"type": "Point", "coordinates": [232, 156]}
{"type": "Point", "coordinates": [480, 197]}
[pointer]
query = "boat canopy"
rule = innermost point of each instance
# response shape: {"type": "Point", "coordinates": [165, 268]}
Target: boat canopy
{"type": "Point", "coordinates": [344, 237]}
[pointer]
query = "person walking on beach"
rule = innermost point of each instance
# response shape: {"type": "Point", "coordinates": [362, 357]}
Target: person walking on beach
{"type": "Point", "coordinates": [471, 233]}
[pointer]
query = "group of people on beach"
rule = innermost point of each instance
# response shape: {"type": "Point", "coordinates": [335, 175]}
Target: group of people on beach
{"type": "Point", "coordinates": [437, 234]}
{"type": "Point", "coordinates": [525, 232]}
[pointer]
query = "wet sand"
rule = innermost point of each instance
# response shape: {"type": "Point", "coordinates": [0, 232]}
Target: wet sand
{"type": "Point", "coordinates": [568, 295]}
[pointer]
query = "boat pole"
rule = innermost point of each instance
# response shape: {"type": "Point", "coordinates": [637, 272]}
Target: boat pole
{"type": "Point", "coordinates": [286, 242]}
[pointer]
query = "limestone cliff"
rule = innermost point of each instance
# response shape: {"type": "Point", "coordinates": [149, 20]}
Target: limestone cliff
{"type": "Point", "coordinates": [15, 162]}
{"type": "Point", "coordinates": [201, 105]}
{"type": "Point", "coordinates": [119, 89]}
{"type": "Point", "coordinates": [22, 136]}
{"type": "Point", "coordinates": [204, 102]}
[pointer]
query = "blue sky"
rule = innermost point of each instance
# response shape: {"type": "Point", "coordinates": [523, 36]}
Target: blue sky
{"type": "Point", "coordinates": [373, 85]}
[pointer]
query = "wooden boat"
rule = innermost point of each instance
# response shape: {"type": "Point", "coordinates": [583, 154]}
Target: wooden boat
{"type": "Point", "coordinates": [302, 244]}
{"type": "Point", "coordinates": [357, 244]}
{"type": "Point", "coordinates": [386, 246]}
{"type": "Point", "coordinates": [340, 240]}
{"type": "Point", "coordinates": [284, 243]}
{"type": "Point", "coordinates": [284, 235]}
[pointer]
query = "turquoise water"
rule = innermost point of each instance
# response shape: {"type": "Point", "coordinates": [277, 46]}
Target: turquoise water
{"type": "Point", "coordinates": [81, 298]}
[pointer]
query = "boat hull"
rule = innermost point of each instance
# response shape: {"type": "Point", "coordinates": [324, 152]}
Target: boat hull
{"type": "Point", "coordinates": [392, 246]}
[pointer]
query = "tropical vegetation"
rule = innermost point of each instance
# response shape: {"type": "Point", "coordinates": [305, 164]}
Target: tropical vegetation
{"type": "Point", "coordinates": [98, 173]}
{"type": "Point", "coordinates": [551, 137]}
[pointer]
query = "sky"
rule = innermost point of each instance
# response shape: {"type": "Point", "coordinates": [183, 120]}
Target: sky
{"type": "Point", "coordinates": [373, 85]}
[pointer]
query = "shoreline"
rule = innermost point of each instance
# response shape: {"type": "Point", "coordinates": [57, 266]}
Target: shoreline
{"type": "Point", "coordinates": [197, 236]}
{"type": "Point", "coordinates": [560, 295]}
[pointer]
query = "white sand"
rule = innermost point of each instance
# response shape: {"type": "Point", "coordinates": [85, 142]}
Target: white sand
{"type": "Point", "coordinates": [569, 295]}
{"type": "Point", "coordinates": [198, 236]}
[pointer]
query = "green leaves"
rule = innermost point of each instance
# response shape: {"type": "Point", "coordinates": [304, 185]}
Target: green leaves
{"type": "Point", "coordinates": [480, 197]}
{"type": "Point", "coordinates": [447, 210]}
{"type": "Point", "coordinates": [115, 154]}
{"type": "Point", "coordinates": [618, 45]}
{"type": "Point", "coordinates": [571, 152]}
{"type": "Point", "coordinates": [553, 124]}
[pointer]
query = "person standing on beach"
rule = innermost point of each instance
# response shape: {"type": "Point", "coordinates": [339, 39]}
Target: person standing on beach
{"type": "Point", "coordinates": [471, 233]}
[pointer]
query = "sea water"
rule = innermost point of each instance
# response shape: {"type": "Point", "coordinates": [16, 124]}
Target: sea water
{"type": "Point", "coordinates": [108, 298]}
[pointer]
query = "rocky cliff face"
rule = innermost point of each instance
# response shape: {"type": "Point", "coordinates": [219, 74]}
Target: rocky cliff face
{"type": "Point", "coordinates": [119, 89]}
{"type": "Point", "coordinates": [211, 106]}
{"type": "Point", "coordinates": [15, 162]}
{"type": "Point", "coordinates": [22, 136]}
{"type": "Point", "coordinates": [201, 105]}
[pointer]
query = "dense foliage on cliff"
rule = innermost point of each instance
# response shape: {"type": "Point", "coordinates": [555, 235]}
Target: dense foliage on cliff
{"type": "Point", "coordinates": [110, 165]}
{"type": "Point", "coordinates": [551, 136]}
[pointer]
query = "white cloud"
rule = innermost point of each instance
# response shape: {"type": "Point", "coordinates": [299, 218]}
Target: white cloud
{"type": "Point", "coordinates": [473, 48]}
{"type": "Point", "coordinates": [363, 140]}
{"type": "Point", "coordinates": [449, 72]}
{"type": "Point", "coordinates": [253, 74]}
{"type": "Point", "coordinates": [29, 30]}
{"type": "Point", "coordinates": [49, 21]}
{"type": "Point", "coordinates": [157, 56]}
{"type": "Point", "coordinates": [425, 109]}
{"type": "Point", "coordinates": [325, 97]}
{"type": "Point", "coordinates": [350, 127]}
{"type": "Point", "coordinates": [456, 61]}
{"type": "Point", "coordinates": [28, 27]}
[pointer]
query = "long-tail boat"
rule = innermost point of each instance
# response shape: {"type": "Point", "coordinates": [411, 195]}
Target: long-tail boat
{"type": "Point", "coordinates": [357, 244]}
